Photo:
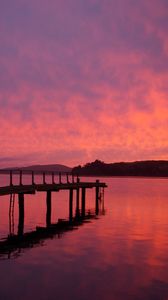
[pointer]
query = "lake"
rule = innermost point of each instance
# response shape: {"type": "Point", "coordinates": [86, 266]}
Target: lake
{"type": "Point", "coordinates": [122, 253]}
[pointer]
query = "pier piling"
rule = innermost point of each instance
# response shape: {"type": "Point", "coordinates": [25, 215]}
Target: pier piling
{"type": "Point", "coordinates": [44, 182]}
{"type": "Point", "coordinates": [21, 177]}
{"type": "Point", "coordinates": [21, 214]}
{"type": "Point", "coordinates": [33, 183]}
{"type": "Point", "coordinates": [53, 182]}
{"type": "Point", "coordinates": [70, 204]}
{"type": "Point", "coordinates": [83, 201]}
{"type": "Point", "coordinates": [77, 201]}
{"type": "Point", "coordinates": [60, 181]}
{"type": "Point", "coordinates": [48, 212]}
{"type": "Point", "coordinates": [11, 179]}
{"type": "Point", "coordinates": [97, 197]}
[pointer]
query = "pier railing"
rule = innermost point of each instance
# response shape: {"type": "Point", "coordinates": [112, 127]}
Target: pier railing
{"type": "Point", "coordinates": [47, 182]}
{"type": "Point", "coordinates": [56, 177]}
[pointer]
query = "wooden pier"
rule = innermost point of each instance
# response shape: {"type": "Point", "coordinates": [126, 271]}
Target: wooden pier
{"type": "Point", "coordinates": [74, 185]}
{"type": "Point", "coordinates": [59, 181]}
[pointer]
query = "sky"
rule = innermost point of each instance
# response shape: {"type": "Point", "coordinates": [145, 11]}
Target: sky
{"type": "Point", "coordinates": [82, 80]}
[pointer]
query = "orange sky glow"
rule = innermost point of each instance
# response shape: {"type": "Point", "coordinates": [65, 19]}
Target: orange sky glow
{"type": "Point", "coordinates": [82, 81]}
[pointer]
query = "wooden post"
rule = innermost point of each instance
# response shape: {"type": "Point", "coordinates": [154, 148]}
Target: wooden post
{"type": "Point", "coordinates": [11, 214]}
{"type": "Point", "coordinates": [44, 182]}
{"type": "Point", "coordinates": [53, 182]}
{"type": "Point", "coordinates": [67, 177]}
{"type": "Point", "coordinates": [48, 212]}
{"type": "Point", "coordinates": [33, 178]}
{"type": "Point", "coordinates": [60, 178]}
{"type": "Point", "coordinates": [21, 177]}
{"type": "Point", "coordinates": [97, 197]}
{"type": "Point", "coordinates": [70, 204]}
{"type": "Point", "coordinates": [21, 214]}
{"type": "Point", "coordinates": [83, 201]}
{"type": "Point", "coordinates": [77, 202]}
{"type": "Point", "coordinates": [11, 182]}
{"type": "Point", "coordinates": [103, 209]}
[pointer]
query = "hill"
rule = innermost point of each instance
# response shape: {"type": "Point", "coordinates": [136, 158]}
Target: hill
{"type": "Point", "coordinates": [48, 168]}
{"type": "Point", "coordinates": [150, 168]}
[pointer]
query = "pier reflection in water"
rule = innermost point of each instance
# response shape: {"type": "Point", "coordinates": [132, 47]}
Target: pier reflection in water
{"type": "Point", "coordinates": [13, 245]}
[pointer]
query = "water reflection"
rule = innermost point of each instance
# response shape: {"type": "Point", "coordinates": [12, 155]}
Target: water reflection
{"type": "Point", "coordinates": [121, 256]}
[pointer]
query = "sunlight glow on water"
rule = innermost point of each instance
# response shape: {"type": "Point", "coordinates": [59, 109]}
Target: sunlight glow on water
{"type": "Point", "coordinates": [121, 255]}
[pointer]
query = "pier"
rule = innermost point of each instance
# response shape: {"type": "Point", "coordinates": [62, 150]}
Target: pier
{"type": "Point", "coordinates": [76, 190]}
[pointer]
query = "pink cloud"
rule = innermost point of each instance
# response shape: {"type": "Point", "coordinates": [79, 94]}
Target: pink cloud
{"type": "Point", "coordinates": [87, 79]}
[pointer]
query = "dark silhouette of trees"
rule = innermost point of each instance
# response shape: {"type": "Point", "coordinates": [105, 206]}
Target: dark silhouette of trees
{"type": "Point", "coordinates": [150, 168]}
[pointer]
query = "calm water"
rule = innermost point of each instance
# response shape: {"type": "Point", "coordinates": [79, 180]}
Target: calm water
{"type": "Point", "coordinates": [122, 254]}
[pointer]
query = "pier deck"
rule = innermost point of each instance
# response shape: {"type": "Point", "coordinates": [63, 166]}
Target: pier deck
{"type": "Point", "coordinates": [31, 189]}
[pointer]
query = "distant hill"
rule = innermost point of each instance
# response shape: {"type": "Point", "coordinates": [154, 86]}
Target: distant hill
{"type": "Point", "coordinates": [150, 168]}
{"type": "Point", "coordinates": [49, 168]}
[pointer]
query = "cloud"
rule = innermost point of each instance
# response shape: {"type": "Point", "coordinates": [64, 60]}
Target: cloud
{"type": "Point", "coordinates": [89, 78]}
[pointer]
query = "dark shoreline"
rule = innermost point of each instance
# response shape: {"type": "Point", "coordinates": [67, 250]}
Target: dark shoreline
{"type": "Point", "coordinates": [150, 168]}
{"type": "Point", "coordinates": [125, 176]}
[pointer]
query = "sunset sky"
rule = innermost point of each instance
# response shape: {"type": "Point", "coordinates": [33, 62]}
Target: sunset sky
{"type": "Point", "coordinates": [82, 80]}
